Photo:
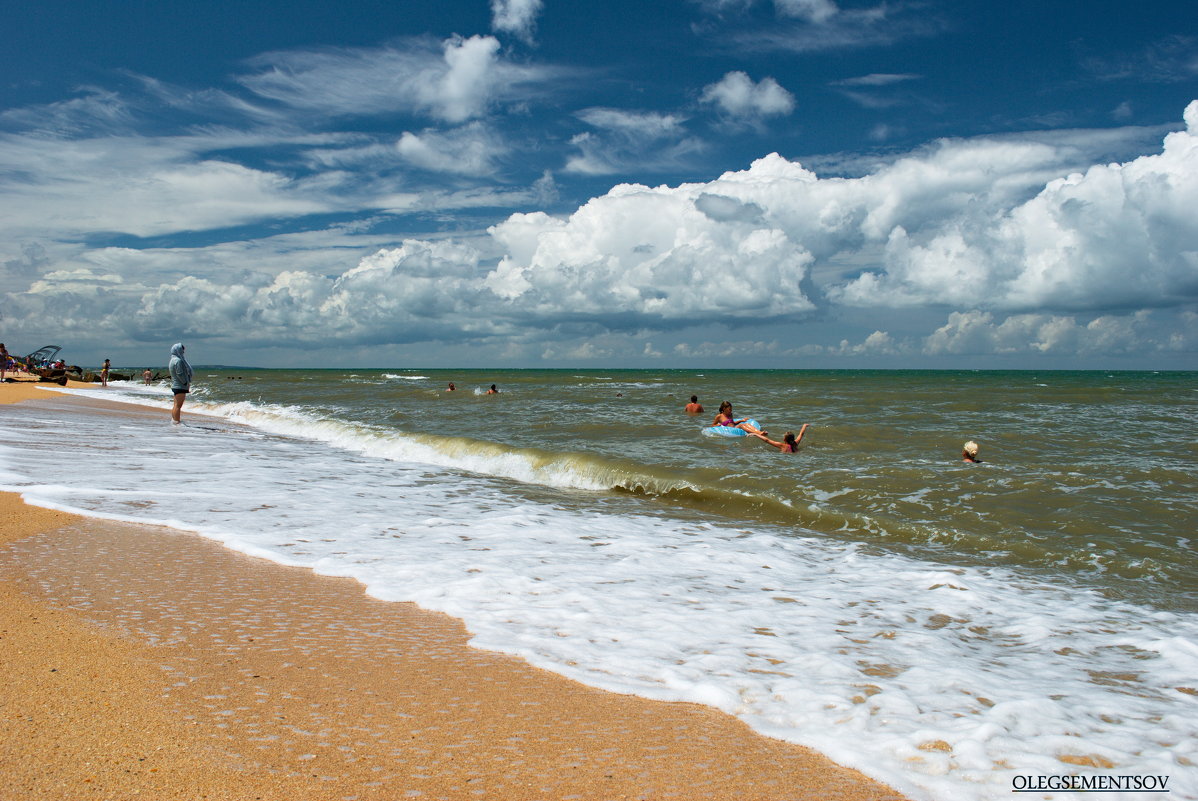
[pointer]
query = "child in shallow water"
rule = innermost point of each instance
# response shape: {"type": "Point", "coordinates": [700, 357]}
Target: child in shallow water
{"type": "Point", "coordinates": [789, 443]}
{"type": "Point", "coordinates": [725, 418]}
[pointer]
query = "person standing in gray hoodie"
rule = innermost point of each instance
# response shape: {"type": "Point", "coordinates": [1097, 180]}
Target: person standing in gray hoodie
{"type": "Point", "coordinates": [180, 372]}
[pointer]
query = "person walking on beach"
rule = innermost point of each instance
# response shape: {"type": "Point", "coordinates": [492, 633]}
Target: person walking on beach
{"type": "Point", "coordinates": [789, 443]}
{"type": "Point", "coordinates": [181, 374]}
{"type": "Point", "coordinates": [104, 372]}
{"type": "Point", "coordinates": [3, 360]}
{"type": "Point", "coordinates": [694, 407]}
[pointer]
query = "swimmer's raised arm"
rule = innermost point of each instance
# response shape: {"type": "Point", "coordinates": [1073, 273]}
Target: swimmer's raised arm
{"type": "Point", "coordinates": [789, 443]}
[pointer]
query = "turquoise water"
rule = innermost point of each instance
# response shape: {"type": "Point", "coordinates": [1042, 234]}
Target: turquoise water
{"type": "Point", "coordinates": [1087, 477]}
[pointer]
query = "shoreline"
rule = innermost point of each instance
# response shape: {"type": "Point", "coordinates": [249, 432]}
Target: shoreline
{"type": "Point", "coordinates": [224, 675]}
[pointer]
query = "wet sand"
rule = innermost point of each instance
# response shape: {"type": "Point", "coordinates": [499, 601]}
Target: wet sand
{"type": "Point", "coordinates": [144, 662]}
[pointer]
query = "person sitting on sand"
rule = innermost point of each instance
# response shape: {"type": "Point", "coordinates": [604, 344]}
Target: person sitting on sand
{"type": "Point", "coordinates": [694, 407]}
{"type": "Point", "coordinates": [969, 452]}
{"type": "Point", "coordinates": [492, 391]}
{"type": "Point", "coordinates": [789, 443]}
{"type": "Point", "coordinates": [725, 418]}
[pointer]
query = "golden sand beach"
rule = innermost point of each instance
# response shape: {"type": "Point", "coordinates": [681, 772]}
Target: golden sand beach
{"type": "Point", "coordinates": [142, 662]}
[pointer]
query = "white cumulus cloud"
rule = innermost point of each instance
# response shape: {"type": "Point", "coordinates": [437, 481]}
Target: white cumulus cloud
{"type": "Point", "coordinates": [655, 253]}
{"type": "Point", "coordinates": [977, 332]}
{"type": "Point", "coordinates": [736, 95]}
{"type": "Point", "coordinates": [1117, 235]}
{"type": "Point", "coordinates": [879, 343]}
{"type": "Point", "coordinates": [517, 17]}
{"type": "Point", "coordinates": [1026, 250]}
{"type": "Point", "coordinates": [418, 291]}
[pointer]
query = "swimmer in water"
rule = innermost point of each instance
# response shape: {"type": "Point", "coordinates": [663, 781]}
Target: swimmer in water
{"type": "Point", "coordinates": [694, 407]}
{"type": "Point", "coordinates": [452, 388]}
{"type": "Point", "coordinates": [969, 453]}
{"type": "Point", "coordinates": [492, 391]}
{"type": "Point", "coordinates": [725, 418]}
{"type": "Point", "coordinates": [789, 443]}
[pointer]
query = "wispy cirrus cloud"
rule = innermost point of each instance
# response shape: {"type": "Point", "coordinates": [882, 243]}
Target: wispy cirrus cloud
{"type": "Point", "coordinates": [876, 90]}
{"type": "Point", "coordinates": [140, 186]}
{"type": "Point", "coordinates": [876, 79]}
{"type": "Point", "coordinates": [812, 10]}
{"type": "Point", "coordinates": [93, 110]}
{"type": "Point", "coordinates": [812, 26]}
{"type": "Point", "coordinates": [621, 140]}
{"type": "Point", "coordinates": [647, 124]}
{"type": "Point", "coordinates": [469, 150]}
{"type": "Point", "coordinates": [453, 81]}
{"type": "Point", "coordinates": [101, 186]}
{"type": "Point", "coordinates": [1169, 60]}
{"type": "Point", "coordinates": [110, 163]}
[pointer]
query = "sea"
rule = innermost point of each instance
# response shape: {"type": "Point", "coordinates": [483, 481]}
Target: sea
{"type": "Point", "coordinates": [957, 630]}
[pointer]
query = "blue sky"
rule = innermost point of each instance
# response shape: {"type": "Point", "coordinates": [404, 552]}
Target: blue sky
{"type": "Point", "coordinates": [708, 183]}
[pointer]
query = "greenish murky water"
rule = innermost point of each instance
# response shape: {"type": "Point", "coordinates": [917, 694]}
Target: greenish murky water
{"type": "Point", "coordinates": [1089, 477]}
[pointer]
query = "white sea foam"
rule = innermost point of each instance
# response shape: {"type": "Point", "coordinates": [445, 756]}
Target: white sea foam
{"type": "Point", "coordinates": [944, 682]}
{"type": "Point", "coordinates": [549, 470]}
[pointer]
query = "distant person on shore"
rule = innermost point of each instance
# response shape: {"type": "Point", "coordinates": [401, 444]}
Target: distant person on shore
{"type": "Point", "coordinates": [725, 418]}
{"type": "Point", "coordinates": [104, 372]}
{"type": "Point", "coordinates": [3, 360]}
{"type": "Point", "coordinates": [694, 407]}
{"type": "Point", "coordinates": [147, 376]}
{"type": "Point", "coordinates": [181, 374]}
{"type": "Point", "coordinates": [969, 453]}
{"type": "Point", "coordinates": [492, 391]}
{"type": "Point", "coordinates": [452, 388]}
{"type": "Point", "coordinates": [789, 443]}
